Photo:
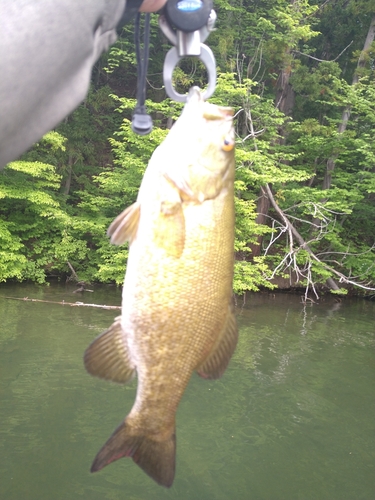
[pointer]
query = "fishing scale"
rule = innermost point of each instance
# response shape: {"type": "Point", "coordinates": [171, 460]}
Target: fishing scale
{"type": "Point", "coordinates": [186, 24]}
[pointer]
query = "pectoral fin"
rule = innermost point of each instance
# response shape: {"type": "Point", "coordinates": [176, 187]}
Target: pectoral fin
{"type": "Point", "coordinates": [124, 227]}
{"type": "Point", "coordinates": [170, 228]}
{"type": "Point", "coordinates": [108, 357]}
{"type": "Point", "coordinates": [217, 361]}
{"type": "Point", "coordinates": [196, 184]}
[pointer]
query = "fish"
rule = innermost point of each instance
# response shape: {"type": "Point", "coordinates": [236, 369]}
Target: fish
{"type": "Point", "coordinates": [177, 301]}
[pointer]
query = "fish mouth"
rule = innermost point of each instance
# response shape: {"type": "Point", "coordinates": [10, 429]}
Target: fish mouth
{"type": "Point", "coordinates": [194, 93]}
{"type": "Point", "coordinates": [210, 111]}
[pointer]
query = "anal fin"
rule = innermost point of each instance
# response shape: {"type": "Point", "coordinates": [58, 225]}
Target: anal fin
{"type": "Point", "coordinates": [124, 227]}
{"type": "Point", "coordinates": [217, 361]}
{"type": "Point", "coordinates": [108, 357]}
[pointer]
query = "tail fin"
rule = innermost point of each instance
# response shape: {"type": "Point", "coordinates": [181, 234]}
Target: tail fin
{"type": "Point", "coordinates": [156, 458]}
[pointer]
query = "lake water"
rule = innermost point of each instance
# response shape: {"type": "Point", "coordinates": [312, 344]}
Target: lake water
{"type": "Point", "coordinates": [293, 417]}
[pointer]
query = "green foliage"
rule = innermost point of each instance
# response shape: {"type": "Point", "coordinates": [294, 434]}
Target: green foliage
{"type": "Point", "coordinates": [30, 220]}
{"type": "Point", "coordinates": [251, 275]}
{"type": "Point", "coordinates": [57, 202]}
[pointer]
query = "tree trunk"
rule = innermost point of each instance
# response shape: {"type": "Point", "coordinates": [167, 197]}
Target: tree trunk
{"type": "Point", "coordinates": [263, 206]}
{"type": "Point", "coordinates": [285, 96]}
{"type": "Point", "coordinates": [284, 101]}
{"type": "Point", "coordinates": [327, 181]}
{"type": "Point", "coordinates": [68, 180]}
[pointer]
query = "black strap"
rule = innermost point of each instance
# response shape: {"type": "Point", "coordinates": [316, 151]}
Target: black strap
{"type": "Point", "coordinates": [130, 11]}
{"type": "Point", "coordinates": [141, 122]}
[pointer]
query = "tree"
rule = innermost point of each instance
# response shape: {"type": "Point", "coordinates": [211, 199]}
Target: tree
{"type": "Point", "coordinates": [287, 69]}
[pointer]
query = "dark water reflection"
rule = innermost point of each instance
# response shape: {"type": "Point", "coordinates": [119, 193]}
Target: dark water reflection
{"type": "Point", "coordinates": [293, 417]}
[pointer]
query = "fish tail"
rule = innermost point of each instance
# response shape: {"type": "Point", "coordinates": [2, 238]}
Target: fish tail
{"type": "Point", "coordinates": [156, 457]}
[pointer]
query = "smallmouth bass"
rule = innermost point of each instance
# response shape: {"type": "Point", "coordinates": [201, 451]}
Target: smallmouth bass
{"type": "Point", "coordinates": [177, 314]}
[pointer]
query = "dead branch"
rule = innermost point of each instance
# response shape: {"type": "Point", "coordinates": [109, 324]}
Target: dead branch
{"type": "Point", "coordinates": [63, 303]}
{"type": "Point", "coordinates": [82, 289]}
{"type": "Point", "coordinates": [290, 258]}
{"type": "Point", "coordinates": [324, 60]}
{"type": "Point", "coordinates": [73, 271]}
{"type": "Point", "coordinates": [291, 255]}
{"type": "Point", "coordinates": [305, 299]}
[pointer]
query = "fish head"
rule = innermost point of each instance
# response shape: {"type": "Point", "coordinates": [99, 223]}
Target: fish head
{"type": "Point", "coordinates": [201, 148]}
{"type": "Point", "coordinates": [211, 129]}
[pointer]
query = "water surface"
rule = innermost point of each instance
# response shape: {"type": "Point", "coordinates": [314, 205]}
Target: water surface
{"type": "Point", "coordinates": [292, 418]}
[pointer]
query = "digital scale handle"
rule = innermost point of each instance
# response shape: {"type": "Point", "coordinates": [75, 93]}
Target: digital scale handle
{"type": "Point", "coordinates": [188, 15]}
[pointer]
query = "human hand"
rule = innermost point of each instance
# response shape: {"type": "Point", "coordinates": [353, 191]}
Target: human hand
{"type": "Point", "coordinates": [152, 5]}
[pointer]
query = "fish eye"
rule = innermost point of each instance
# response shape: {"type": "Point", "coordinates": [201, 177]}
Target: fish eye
{"type": "Point", "coordinates": [228, 144]}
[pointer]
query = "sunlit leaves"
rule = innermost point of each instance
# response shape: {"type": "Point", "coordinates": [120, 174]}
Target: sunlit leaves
{"type": "Point", "coordinates": [56, 204]}
{"type": "Point", "coordinates": [251, 275]}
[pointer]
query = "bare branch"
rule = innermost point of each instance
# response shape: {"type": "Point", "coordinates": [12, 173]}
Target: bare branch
{"type": "Point", "coordinates": [291, 255]}
{"type": "Point", "coordinates": [260, 62]}
{"type": "Point", "coordinates": [73, 271]}
{"type": "Point", "coordinates": [253, 134]}
{"type": "Point", "coordinates": [347, 253]}
{"type": "Point", "coordinates": [63, 303]}
{"type": "Point", "coordinates": [323, 60]}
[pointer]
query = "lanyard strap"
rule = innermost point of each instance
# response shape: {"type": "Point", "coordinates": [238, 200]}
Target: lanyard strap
{"type": "Point", "coordinates": [130, 11]}
{"type": "Point", "coordinates": [141, 121]}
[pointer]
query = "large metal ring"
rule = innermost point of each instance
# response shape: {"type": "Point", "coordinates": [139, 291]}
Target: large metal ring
{"type": "Point", "coordinates": [172, 59]}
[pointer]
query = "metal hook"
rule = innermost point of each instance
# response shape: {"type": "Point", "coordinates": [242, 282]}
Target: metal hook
{"type": "Point", "coordinates": [188, 44]}
{"type": "Point", "coordinates": [172, 59]}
